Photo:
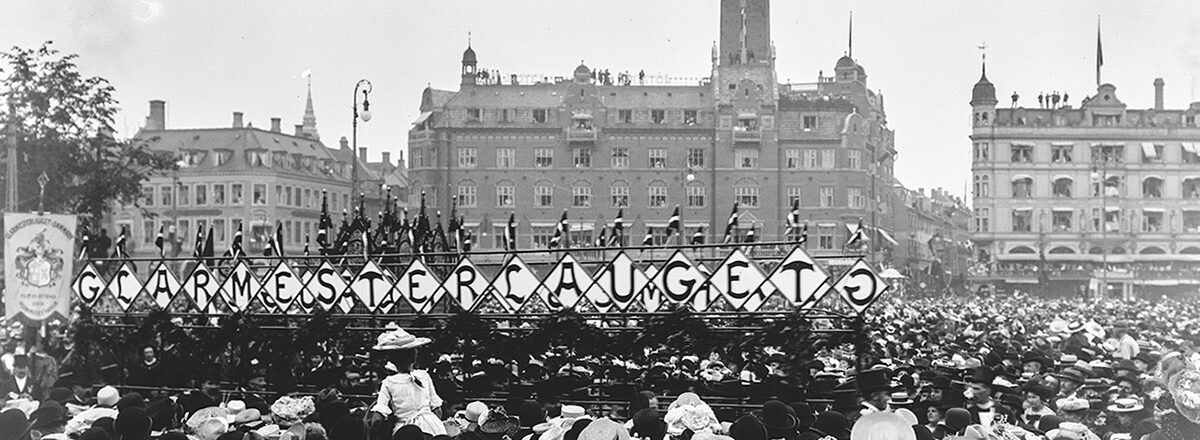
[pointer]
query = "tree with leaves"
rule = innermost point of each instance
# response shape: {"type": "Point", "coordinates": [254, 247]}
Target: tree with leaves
{"type": "Point", "coordinates": [64, 127]}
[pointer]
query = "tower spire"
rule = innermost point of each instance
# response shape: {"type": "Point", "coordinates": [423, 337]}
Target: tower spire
{"type": "Point", "coordinates": [850, 45]}
{"type": "Point", "coordinates": [309, 127]}
{"type": "Point", "coordinates": [983, 57]}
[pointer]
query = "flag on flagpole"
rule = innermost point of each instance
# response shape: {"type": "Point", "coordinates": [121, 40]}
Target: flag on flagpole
{"type": "Point", "coordinates": [618, 233]}
{"type": "Point", "coordinates": [803, 233]}
{"type": "Point", "coordinates": [732, 224]}
{"type": "Point", "coordinates": [158, 241]}
{"type": "Point", "coordinates": [366, 242]}
{"type": "Point", "coordinates": [86, 242]}
{"type": "Point", "coordinates": [601, 239]}
{"type": "Point", "coordinates": [510, 233]}
{"type": "Point", "coordinates": [673, 223]}
{"type": "Point", "coordinates": [209, 248]}
{"type": "Point", "coordinates": [560, 233]}
{"type": "Point", "coordinates": [306, 245]}
{"type": "Point", "coordinates": [1099, 51]}
{"type": "Point", "coordinates": [324, 224]}
{"type": "Point", "coordinates": [468, 240]}
{"type": "Point", "coordinates": [648, 240]}
{"type": "Point", "coordinates": [856, 235]}
{"type": "Point", "coordinates": [750, 236]}
{"type": "Point", "coordinates": [793, 220]}
{"type": "Point", "coordinates": [235, 247]}
{"type": "Point", "coordinates": [698, 236]}
{"type": "Point", "coordinates": [119, 249]}
{"type": "Point", "coordinates": [277, 240]}
{"type": "Point", "coordinates": [198, 251]}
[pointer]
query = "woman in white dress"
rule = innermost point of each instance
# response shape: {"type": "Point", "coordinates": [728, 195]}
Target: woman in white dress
{"type": "Point", "coordinates": [407, 396]}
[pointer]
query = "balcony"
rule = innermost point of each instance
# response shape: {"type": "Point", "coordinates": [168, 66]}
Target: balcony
{"type": "Point", "coordinates": [747, 134]}
{"type": "Point", "coordinates": [582, 134]}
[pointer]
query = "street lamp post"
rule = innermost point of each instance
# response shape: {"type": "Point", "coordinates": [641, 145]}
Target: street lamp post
{"type": "Point", "coordinates": [363, 86]}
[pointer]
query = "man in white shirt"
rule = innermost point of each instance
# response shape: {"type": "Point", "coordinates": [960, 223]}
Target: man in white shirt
{"type": "Point", "coordinates": [1127, 347]}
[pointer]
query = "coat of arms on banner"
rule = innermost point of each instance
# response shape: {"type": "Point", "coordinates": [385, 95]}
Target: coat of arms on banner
{"type": "Point", "coordinates": [38, 263]}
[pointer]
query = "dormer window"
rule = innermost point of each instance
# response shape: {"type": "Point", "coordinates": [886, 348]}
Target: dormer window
{"type": "Point", "coordinates": [474, 115]}
{"type": "Point", "coordinates": [257, 158]}
{"type": "Point", "coordinates": [222, 157]}
{"type": "Point", "coordinates": [539, 116]}
{"type": "Point", "coordinates": [193, 158]}
{"type": "Point", "coordinates": [658, 116]}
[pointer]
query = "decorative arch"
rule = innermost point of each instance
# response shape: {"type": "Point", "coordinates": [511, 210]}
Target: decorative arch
{"type": "Point", "coordinates": [1119, 250]}
{"type": "Point", "coordinates": [1062, 250]}
{"type": "Point", "coordinates": [1096, 251]}
{"type": "Point", "coordinates": [1190, 250]}
{"type": "Point", "coordinates": [1152, 250]}
{"type": "Point", "coordinates": [1022, 250]}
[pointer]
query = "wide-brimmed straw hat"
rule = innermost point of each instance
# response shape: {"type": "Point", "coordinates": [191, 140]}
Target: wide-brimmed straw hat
{"type": "Point", "coordinates": [398, 339]}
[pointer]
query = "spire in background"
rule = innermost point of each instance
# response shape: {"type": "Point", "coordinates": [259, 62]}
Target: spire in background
{"type": "Point", "coordinates": [1099, 51]}
{"type": "Point", "coordinates": [850, 43]}
{"type": "Point", "coordinates": [309, 127]}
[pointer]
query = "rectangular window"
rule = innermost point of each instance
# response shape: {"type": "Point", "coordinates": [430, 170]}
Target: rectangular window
{"type": "Point", "coordinates": [857, 200]}
{"type": "Point", "coordinates": [310, 199]}
{"type": "Point", "coordinates": [218, 229]}
{"type": "Point", "coordinates": [467, 157]}
{"type": "Point", "coordinates": [185, 194]}
{"type": "Point", "coordinates": [278, 194]}
{"type": "Point", "coordinates": [542, 235]}
{"type": "Point", "coordinates": [544, 195]}
{"type": "Point", "coordinates": [695, 158]}
{"type": "Point", "coordinates": [827, 196]}
{"type": "Point", "coordinates": [581, 196]}
{"type": "Point", "coordinates": [828, 158]}
{"type": "Point", "coordinates": [505, 116]}
{"type": "Point", "coordinates": [467, 196]}
{"type": "Point", "coordinates": [658, 196]}
{"type": "Point", "coordinates": [258, 194]}
{"type": "Point", "coordinates": [792, 158]}
{"type": "Point", "coordinates": [474, 115]}
{"type": "Point", "coordinates": [222, 157]}
{"type": "Point", "coordinates": [793, 195]}
{"type": "Point", "coordinates": [696, 196]}
{"type": "Point", "coordinates": [287, 197]}
{"type": "Point", "coordinates": [165, 195]}
{"type": "Point", "coordinates": [810, 123]}
{"type": "Point", "coordinates": [620, 158]}
{"type": "Point", "coordinates": [149, 233]}
{"type": "Point", "coordinates": [658, 158]}
{"type": "Point", "coordinates": [582, 157]}
{"type": "Point", "coordinates": [1022, 220]}
{"type": "Point", "coordinates": [854, 159]}
{"type": "Point", "coordinates": [506, 157]}
{"type": "Point", "coordinates": [658, 116]}
{"type": "Point", "coordinates": [1022, 154]}
{"type": "Point", "coordinates": [235, 194]}
{"type": "Point", "coordinates": [620, 196]}
{"type": "Point", "coordinates": [539, 115]}
{"type": "Point", "coordinates": [625, 116]}
{"type": "Point", "coordinates": [505, 196]}
{"type": "Point", "coordinates": [418, 157]}
{"type": "Point", "coordinates": [218, 197]}
{"type": "Point", "coordinates": [1061, 153]}
{"type": "Point", "coordinates": [747, 196]}
{"type": "Point", "coordinates": [1061, 221]}
{"type": "Point", "coordinates": [497, 237]}
{"type": "Point", "coordinates": [746, 158]}
{"type": "Point", "coordinates": [810, 159]}
{"type": "Point", "coordinates": [689, 117]}
{"type": "Point", "coordinates": [185, 232]}
{"type": "Point", "coordinates": [825, 236]}
{"type": "Point", "coordinates": [543, 157]}
{"type": "Point", "coordinates": [1152, 153]}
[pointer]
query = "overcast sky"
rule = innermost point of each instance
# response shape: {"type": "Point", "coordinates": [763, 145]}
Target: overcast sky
{"type": "Point", "coordinates": [210, 58]}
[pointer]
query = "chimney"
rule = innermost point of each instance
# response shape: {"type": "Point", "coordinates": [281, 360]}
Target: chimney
{"type": "Point", "coordinates": [400, 159]}
{"type": "Point", "coordinates": [158, 115]}
{"type": "Point", "coordinates": [1158, 93]}
{"type": "Point", "coordinates": [362, 154]}
{"type": "Point", "coordinates": [299, 130]}
{"type": "Point", "coordinates": [344, 143]}
{"type": "Point", "coordinates": [387, 159]}
{"type": "Point", "coordinates": [237, 119]}
{"type": "Point", "coordinates": [275, 125]}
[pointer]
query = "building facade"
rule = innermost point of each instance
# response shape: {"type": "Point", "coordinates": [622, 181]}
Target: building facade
{"type": "Point", "coordinates": [243, 176]}
{"type": "Point", "coordinates": [596, 142]}
{"type": "Point", "coordinates": [934, 234]}
{"type": "Point", "coordinates": [1100, 199]}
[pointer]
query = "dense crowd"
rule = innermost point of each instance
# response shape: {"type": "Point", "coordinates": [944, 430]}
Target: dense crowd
{"type": "Point", "coordinates": [1007, 367]}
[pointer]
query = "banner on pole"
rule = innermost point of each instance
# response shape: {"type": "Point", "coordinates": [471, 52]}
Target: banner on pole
{"type": "Point", "coordinates": [39, 252]}
{"type": "Point", "coordinates": [740, 282]}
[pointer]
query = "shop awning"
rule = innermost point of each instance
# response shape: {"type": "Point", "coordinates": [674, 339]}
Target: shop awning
{"type": "Point", "coordinates": [1153, 210]}
{"type": "Point", "coordinates": [1148, 150]}
{"type": "Point", "coordinates": [1063, 209]}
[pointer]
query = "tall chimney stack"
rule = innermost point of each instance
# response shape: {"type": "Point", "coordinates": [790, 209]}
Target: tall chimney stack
{"type": "Point", "coordinates": [300, 130]}
{"type": "Point", "coordinates": [237, 119]}
{"type": "Point", "coordinates": [275, 125]}
{"type": "Point", "coordinates": [362, 154]}
{"type": "Point", "coordinates": [387, 158]}
{"type": "Point", "coordinates": [158, 115]}
{"type": "Point", "coordinates": [1158, 94]}
{"type": "Point", "coordinates": [344, 143]}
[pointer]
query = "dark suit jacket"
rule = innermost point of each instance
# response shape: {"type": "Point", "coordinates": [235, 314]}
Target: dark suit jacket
{"type": "Point", "coordinates": [9, 386]}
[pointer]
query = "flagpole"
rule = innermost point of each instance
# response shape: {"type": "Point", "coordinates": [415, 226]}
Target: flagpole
{"type": "Point", "coordinates": [1099, 51]}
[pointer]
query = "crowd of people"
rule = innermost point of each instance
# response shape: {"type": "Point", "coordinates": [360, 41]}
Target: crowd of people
{"type": "Point", "coordinates": [951, 367]}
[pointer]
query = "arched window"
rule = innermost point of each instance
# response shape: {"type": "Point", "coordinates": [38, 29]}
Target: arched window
{"type": "Point", "coordinates": [1022, 187]}
{"type": "Point", "coordinates": [657, 193]}
{"type": "Point", "coordinates": [1190, 250]}
{"type": "Point", "coordinates": [1062, 250]}
{"type": "Point", "coordinates": [1152, 188]}
{"type": "Point", "coordinates": [1063, 187]}
{"type": "Point", "coordinates": [1152, 250]}
{"type": "Point", "coordinates": [1021, 250]}
{"type": "Point", "coordinates": [1191, 188]}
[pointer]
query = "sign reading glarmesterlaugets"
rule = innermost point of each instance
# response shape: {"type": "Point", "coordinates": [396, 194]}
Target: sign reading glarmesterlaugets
{"type": "Point", "coordinates": [622, 284]}
{"type": "Point", "coordinates": [38, 263]}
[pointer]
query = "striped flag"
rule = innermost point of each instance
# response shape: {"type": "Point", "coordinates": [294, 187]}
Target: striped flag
{"type": "Point", "coordinates": [601, 239]}
{"type": "Point", "coordinates": [793, 220]}
{"type": "Point", "coordinates": [698, 237]}
{"type": "Point", "coordinates": [235, 247]}
{"type": "Point", "coordinates": [856, 236]}
{"type": "Point", "coordinates": [560, 238]}
{"type": "Point", "coordinates": [198, 251]}
{"type": "Point", "coordinates": [158, 241]}
{"type": "Point", "coordinates": [750, 236]}
{"type": "Point", "coordinates": [119, 249]}
{"type": "Point", "coordinates": [673, 223]}
{"type": "Point", "coordinates": [306, 245]}
{"type": "Point", "coordinates": [648, 240]}
{"type": "Point", "coordinates": [732, 224]}
{"type": "Point", "coordinates": [618, 233]}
